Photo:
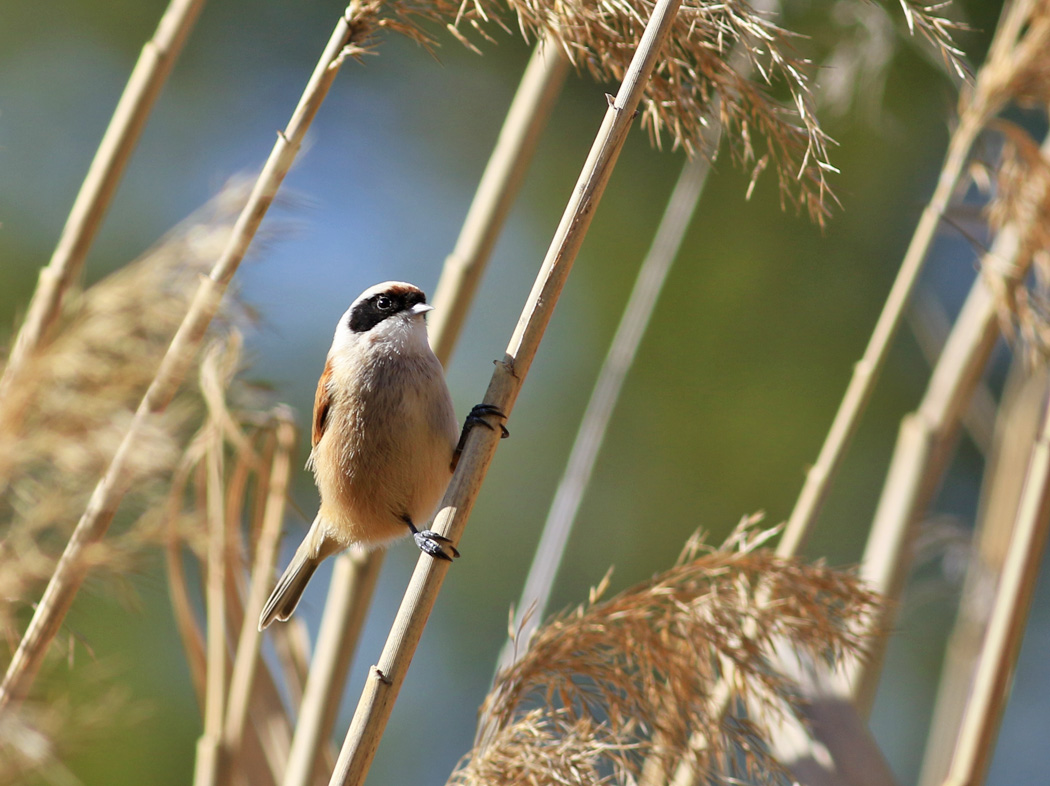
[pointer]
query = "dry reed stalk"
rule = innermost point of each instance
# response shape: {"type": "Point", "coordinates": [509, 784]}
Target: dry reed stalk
{"type": "Point", "coordinates": [356, 572]}
{"type": "Point", "coordinates": [265, 743]}
{"type": "Point", "coordinates": [977, 108]}
{"type": "Point", "coordinates": [927, 435]}
{"type": "Point", "coordinates": [1011, 59]}
{"type": "Point", "coordinates": [61, 425]}
{"type": "Point", "coordinates": [532, 605]}
{"type": "Point", "coordinates": [498, 188]}
{"type": "Point", "coordinates": [930, 325]}
{"type": "Point", "coordinates": [866, 371]}
{"type": "Point", "coordinates": [70, 571]}
{"type": "Point", "coordinates": [246, 659]}
{"type": "Point", "coordinates": [292, 645]}
{"type": "Point", "coordinates": [382, 688]}
{"type": "Point", "coordinates": [230, 697]}
{"type": "Point", "coordinates": [1016, 430]}
{"type": "Point", "coordinates": [637, 670]}
{"type": "Point", "coordinates": [144, 86]}
{"type": "Point", "coordinates": [354, 578]}
{"type": "Point", "coordinates": [535, 595]}
{"type": "Point", "coordinates": [189, 631]}
{"type": "Point", "coordinates": [209, 745]}
{"type": "Point", "coordinates": [979, 725]}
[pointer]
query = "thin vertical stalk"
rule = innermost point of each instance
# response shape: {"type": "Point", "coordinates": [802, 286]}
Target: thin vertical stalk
{"type": "Point", "coordinates": [70, 570]}
{"type": "Point", "coordinates": [1015, 433]}
{"type": "Point", "coordinates": [618, 361]}
{"type": "Point", "coordinates": [206, 772]}
{"type": "Point", "coordinates": [1002, 643]}
{"type": "Point", "coordinates": [866, 372]}
{"type": "Point", "coordinates": [89, 208]}
{"type": "Point", "coordinates": [356, 572]}
{"type": "Point", "coordinates": [978, 106]}
{"type": "Point", "coordinates": [927, 435]}
{"type": "Point", "coordinates": [381, 690]}
{"type": "Point", "coordinates": [354, 578]}
{"type": "Point", "coordinates": [532, 105]}
{"type": "Point", "coordinates": [248, 643]}
{"type": "Point", "coordinates": [930, 325]}
{"type": "Point", "coordinates": [182, 606]}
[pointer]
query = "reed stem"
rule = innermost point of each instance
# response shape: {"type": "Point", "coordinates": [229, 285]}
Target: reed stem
{"type": "Point", "coordinates": [96, 192]}
{"type": "Point", "coordinates": [535, 595]}
{"type": "Point", "coordinates": [249, 641]}
{"type": "Point", "coordinates": [866, 371]}
{"type": "Point", "coordinates": [70, 570]}
{"type": "Point", "coordinates": [356, 572]}
{"type": "Point", "coordinates": [386, 678]}
{"type": "Point", "coordinates": [927, 435]}
{"type": "Point", "coordinates": [1006, 626]}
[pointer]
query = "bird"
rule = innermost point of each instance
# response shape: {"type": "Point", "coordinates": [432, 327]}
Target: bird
{"type": "Point", "coordinates": [383, 440]}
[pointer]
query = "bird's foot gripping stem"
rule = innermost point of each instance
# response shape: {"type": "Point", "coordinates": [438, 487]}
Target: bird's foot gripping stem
{"type": "Point", "coordinates": [477, 417]}
{"type": "Point", "coordinates": [430, 542]}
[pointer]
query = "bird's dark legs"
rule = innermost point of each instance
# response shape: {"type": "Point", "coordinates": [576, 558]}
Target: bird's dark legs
{"type": "Point", "coordinates": [476, 417]}
{"type": "Point", "coordinates": [431, 542]}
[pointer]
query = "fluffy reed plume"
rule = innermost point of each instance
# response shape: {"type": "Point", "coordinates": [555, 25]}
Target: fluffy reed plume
{"type": "Point", "coordinates": [614, 682]}
{"type": "Point", "coordinates": [59, 428]}
{"type": "Point", "coordinates": [61, 424]}
{"type": "Point", "coordinates": [681, 100]}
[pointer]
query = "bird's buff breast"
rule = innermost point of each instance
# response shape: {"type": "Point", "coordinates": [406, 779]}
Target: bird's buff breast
{"type": "Point", "coordinates": [393, 457]}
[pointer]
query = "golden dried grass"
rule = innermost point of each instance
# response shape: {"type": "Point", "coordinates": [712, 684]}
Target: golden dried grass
{"type": "Point", "coordinates": [614, 682]}
{"type": "Point", "coordinates": [59, 428]}
{"type": "Point", "coordinates": [698, 82]}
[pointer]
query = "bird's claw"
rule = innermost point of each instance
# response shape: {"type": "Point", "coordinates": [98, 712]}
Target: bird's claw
{"type": "Point", "coordinates": [477, 415]}
{"type": "Point", "coordinates": [432, 543]}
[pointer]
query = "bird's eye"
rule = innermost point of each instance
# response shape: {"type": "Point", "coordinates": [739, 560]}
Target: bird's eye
{"type": "Point", "coordinates": [383, 303]}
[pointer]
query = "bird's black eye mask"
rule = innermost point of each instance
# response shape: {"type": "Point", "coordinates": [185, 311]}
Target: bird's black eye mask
{"type": "Point", "coordinates": [373, 310]}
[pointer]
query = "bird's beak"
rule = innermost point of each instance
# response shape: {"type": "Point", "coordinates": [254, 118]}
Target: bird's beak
{"type": "Point", "coordinates": [420, 308]}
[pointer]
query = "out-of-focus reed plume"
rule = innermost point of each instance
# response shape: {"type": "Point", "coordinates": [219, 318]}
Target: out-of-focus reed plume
{"type": "Point", "coordinates": [614, 682]}
{"type": "Point", "coordinates": [62, 422]}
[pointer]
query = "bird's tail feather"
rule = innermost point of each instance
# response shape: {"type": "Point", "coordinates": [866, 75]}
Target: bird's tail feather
{"type": "Point", "coordinates": [285, 596]}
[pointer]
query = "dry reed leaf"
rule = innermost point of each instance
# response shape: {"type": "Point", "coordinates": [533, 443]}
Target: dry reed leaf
{"type": "Point", "coordinates": [638, 670]}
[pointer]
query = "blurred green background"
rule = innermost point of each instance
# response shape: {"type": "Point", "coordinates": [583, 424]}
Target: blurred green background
{"type": "Point", "coordinates": [739, 375]}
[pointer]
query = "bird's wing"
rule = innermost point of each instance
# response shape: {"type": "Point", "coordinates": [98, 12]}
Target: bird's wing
{"type": "Point", "coordinates": [321, 403]}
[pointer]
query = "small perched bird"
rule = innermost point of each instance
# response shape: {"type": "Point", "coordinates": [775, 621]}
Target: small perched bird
{"type": "Point", "coordinates": [384, 438]}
